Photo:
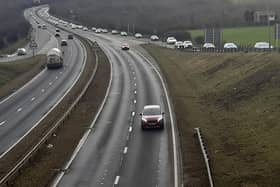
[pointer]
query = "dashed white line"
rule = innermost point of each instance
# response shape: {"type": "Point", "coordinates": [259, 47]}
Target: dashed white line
{"type": "Point", "coordinates": [32, 99]}
{"type": "Point", "coordinates": [135, 92]}
{"type": "Point", "coordinates": [135, 101]}
{"type": "Point", "coordinates": [2, 123]}
{"type": "Point", "coordinates": [133, 72]}
{"type": "Point", "coordinates": [134, 78]}
{"type": "Point", "coordinates": [56, 77]}
{"type": "Point", "coordinates": [133, 114]}
{"type": "Point", "coordinates": [135, 84]}
{"type": "Point", "coordinates": [130, 129]}
{"type": "Point", "coordinates": [43, 90]}
{"type": "Point", "coordinates": [50, 83]}
{"type": "Point", "coordinates": [125, 150]}
{"type": "Point", "coordinates": [19, 109]}
{"type": "Point", "coordinates": [117, 179]}
{"type": "Point", "coordinates": [60, 72]}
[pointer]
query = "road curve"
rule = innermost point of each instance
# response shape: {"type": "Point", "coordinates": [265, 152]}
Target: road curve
{"type": "Point", "coordinates": [23, 110]}
{"type": "Point", "coordinates": [117, 152]}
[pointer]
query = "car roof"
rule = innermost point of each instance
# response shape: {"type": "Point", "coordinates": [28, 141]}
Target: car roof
{"type": "Point", "coordinates": [151, 106]}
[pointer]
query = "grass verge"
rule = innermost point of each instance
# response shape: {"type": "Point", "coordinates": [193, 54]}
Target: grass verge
{"type": "Point", "coordinates": [12, 48]}
{"type": "Point", "coordinates": [234, 98]}
{"type": "Point", "coordinates": [15, 74]}
{"type": "Point", "coordinates": [47, 162]}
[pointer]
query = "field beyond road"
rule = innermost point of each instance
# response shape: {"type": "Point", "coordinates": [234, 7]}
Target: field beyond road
{"type": "Point", "coordinates": [244, 35]}
{"type": "Point", "coordinates": [235, 100]}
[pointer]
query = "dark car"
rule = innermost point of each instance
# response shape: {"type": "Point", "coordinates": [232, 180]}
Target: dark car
{"type": "Point", "coordinates": [152, 117]}
{"type": "Point", "coordinates": [63, 43]}
{"type": "Point", "coordinates": [57, 35]}
{"type": "Point", "coordinates": [70, 37]}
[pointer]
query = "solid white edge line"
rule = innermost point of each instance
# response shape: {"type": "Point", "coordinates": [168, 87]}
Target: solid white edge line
{"type": "Point", "coordinates": [174, 141]}
{"type": "Point", "coordinates": [2, 123]}
{"type": "Point", "coordinates": [84, 138]}
{"type": "Point", "coordinates": [50, 110]}
{"type": "Point", "coordinates": [19, 109]}
{"type": "Point", "coordinates": [117, 179]}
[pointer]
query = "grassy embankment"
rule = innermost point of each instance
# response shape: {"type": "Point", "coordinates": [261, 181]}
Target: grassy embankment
{"type": "Point", "coordinates": [235, 99]}
{"type": "Point", "coordinates": [15, 74]}
{"type": "Point", "coordinates": [243, 35]}
{"type": "Point", "coordinates": [13, 48]}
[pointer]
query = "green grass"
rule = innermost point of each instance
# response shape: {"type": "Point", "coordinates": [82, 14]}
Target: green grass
{"type": "Point", "coordinates": [12, 48]}
{"type": "Point", "coordinates": [234, 98]}
{"type": "Point", "coordinates": [243, 35]}
{"type": "Point", "coordinates": [15, 74]}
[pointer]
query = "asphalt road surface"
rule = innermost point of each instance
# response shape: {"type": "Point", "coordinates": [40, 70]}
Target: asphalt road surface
{"type": "Point", "coordinates": [21, 112]}
{"type": "Point", "coordinates": [118, 152]}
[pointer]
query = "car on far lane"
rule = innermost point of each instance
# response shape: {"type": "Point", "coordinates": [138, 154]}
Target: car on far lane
{"type": "Point", "coordinates": [57, 35]}
{"type": "Point", "coordinates": [188, 44]}
{"type": "Point", "coordinates": [171, 40]}
{"type": "Point", "coordinates": [152, 117]}
{"type": "Point", "coordinates": [125, 46]}
{"type": "Point", "coordinates": [154, 38]}
{"type": "Point", "coordinates": [138, 35]}
{"type": "Point", "coordinates": [70, 37]}
{"type": "Point", "coordinates": [230, 47]}
{"type": "Point", "coordinates": [63, 43]}
{"type": "Point", "coordinates": [93, 29]}
{"type": "Point", "coordinates": [179, 45]}
{"type": "Point", "coordinates": [209, 46]}
{"type": "Point", "coordinates": [115, 32]}
{"type": "Point", "coordinates": [21, 51]}
{"type": "Point", "coordinates": [262, 46]}
{"type": "Point", "coordinates": [123, 33]}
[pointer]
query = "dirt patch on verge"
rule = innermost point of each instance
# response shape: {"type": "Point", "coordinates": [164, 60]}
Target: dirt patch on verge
{"type": "Point", "coordinates": [14, 75]}
{"type": "Point", "coordinates": [52, 156]}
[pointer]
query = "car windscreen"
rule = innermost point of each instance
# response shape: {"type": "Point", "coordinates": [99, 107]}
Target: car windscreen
{"type": "Point", "coordinates": [151, 111]}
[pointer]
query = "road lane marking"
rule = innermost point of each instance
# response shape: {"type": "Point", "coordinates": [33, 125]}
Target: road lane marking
{"type": "Point", "coordinates": [19, 109]}
{"type": "Point", "coordinates": [56, 77]}
{"type": "Point", "coordinates": [117, 179]}
{"type": "Point", "coordinates": [135, 92]}
{"type": "Point", "coordinates": [134, 78]}
{"type": "Point", "coordinates": [50, 83]}
{"type": "Point", "coordinates": [125, 150]}
{"type": "Point", "coordinates": [133, 72]}
{"type": "Point", "coordinates": [60, 72]}
{"type": "Point", "coordinates": [133, 114]}
{"type": "Point", "coordinates": [2, 123]}
{"type": "Point", "coordinates": [135, 101]}
{"type": "Point", "coordinates": [43, 90]}
{"type": "Point", "coordinates": [135, 84]}
{"type": "Point", "coordinates": [130, 129]}
{"type": "Point", "coordinates": [32, 99]}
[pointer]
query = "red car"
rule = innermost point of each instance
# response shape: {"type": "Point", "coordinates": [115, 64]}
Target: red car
{"type": "Point", "coordinates": [152, 117]}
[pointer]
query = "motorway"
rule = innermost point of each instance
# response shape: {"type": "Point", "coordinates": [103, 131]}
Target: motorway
{"type": "Point", "coordinates": [23, 110]}
{"type": "Point", "coordinates": [117, 152]}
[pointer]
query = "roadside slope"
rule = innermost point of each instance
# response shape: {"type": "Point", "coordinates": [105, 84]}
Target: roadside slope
{"type": "Point", "coordinates": [234, 98]}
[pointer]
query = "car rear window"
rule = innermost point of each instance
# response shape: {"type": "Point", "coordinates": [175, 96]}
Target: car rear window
{"type": "Point", "coordinates": [151, 111]}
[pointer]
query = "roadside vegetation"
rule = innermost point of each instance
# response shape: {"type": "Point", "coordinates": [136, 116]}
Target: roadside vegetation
{"type": "Point", "coordinates": [159, 16]}
{"type": "Point", "coordinates": [14, 27]}
{"type": "Point", "coordinates": [14, 75]}
{"type": "Point", "coordinates": [234, 99]}
{"type": "Point", "coordinates": [243, 35]}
